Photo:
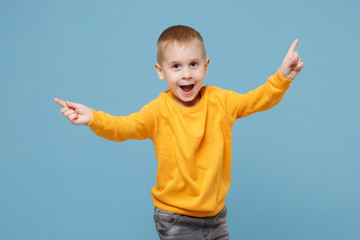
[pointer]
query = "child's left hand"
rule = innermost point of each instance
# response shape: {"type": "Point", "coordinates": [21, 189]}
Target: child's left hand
{"type": "Point", "coordinates": [292, 63]}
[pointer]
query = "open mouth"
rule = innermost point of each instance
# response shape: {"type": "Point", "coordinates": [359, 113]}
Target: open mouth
{"type": "Point", "coordinates": [187, 88]}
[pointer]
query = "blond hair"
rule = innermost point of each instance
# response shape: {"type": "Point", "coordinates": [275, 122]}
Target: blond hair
{"type": "Point", "coordinates": [177, 34]}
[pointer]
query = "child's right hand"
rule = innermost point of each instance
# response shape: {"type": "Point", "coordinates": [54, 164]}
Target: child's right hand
{"type": "Point", "coordinates": [77, 114]}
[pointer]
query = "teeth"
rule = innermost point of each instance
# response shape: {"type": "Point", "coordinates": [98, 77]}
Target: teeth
{"type": "Point", "coordinates": [187, 88]}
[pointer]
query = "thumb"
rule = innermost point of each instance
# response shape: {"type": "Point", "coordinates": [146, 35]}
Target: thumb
{"type": "Point", "coordinates": [294, 58]}
{"type": "Point", "coordinates": [73, 105]}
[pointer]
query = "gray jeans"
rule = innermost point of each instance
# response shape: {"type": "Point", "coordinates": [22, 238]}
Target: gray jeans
{"type": "Point", "coordinates": [178, 227]}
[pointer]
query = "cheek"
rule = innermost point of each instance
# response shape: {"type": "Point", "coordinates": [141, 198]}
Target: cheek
{"type": "Point", "coordinates": [171, 82]}
{"type": "Point", "coordinates": [199, 75]}
{"type": "Point", "coordinates": [173, 77]}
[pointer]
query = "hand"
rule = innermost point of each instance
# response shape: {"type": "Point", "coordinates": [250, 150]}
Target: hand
{"type": "Point", "coordinates": [77, 114]}
{"type": "Point", "coordinates": [292, 63]}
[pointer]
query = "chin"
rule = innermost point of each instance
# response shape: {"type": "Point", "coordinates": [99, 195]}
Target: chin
{"type": "Point", "coordinates": [189, 101]}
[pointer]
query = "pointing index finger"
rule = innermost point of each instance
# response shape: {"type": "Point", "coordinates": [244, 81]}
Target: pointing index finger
{"type": "Point", "coordinates": [293, 47]}
{"type": "Point", "coordinates": [60, 102]}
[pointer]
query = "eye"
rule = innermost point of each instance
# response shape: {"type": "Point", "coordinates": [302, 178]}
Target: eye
{"type": "Point", "coordinates": [176, 66]}
{"type": "Point", "coordinates": [193, 64]}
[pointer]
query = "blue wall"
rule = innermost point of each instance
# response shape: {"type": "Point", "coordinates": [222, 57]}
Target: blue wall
{"type": "Point", "coordinates": [295, 167]}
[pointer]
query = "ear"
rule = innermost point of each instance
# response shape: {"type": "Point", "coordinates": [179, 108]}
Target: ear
{"type": "Point", "coordinates": [159, 71]}
{"type": "Point", "coordinates": [207, 65]}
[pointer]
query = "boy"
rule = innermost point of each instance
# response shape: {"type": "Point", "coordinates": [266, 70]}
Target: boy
{"type": "Point", "coordinates": [191, 128]}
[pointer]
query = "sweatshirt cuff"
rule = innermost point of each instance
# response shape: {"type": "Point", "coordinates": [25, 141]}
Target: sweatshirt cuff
{"type": "Point", "coordinates": [281, 82]}
{"type": "Point", "coordinates": [91, 123]}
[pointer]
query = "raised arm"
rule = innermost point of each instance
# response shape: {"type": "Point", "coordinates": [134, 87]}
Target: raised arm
{"type": "Point", "coordinates": [270, 93]}
{"type": "Point", "coordinates": [292, 63]}
{"type": "Point", "coordinates": [76, 113]}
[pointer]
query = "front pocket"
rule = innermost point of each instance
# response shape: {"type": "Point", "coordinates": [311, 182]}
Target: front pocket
{"type": "Point", "coordinates": [164, 220]}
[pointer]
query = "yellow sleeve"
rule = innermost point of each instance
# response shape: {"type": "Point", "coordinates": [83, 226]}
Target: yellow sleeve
{"type": "Point", "coordinates": [260, 99]}
{"type": "Point", "coordinates": [140, 125]}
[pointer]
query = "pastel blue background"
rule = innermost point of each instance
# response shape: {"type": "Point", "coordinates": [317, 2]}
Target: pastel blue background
{"type": "Point", "coordinates": [295, 167]}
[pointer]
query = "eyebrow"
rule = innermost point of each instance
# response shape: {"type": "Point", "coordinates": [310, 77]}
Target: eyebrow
{"type": "Point", "coordinates": [192, 60]}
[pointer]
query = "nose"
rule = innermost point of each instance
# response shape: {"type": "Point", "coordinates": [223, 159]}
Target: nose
{"type": "Point", "coordinates": [186, 73]}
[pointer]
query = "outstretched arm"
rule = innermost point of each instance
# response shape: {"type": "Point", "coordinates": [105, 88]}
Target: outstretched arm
{"type": "Point", "coordinates": [292, 63]}
{"type": "Point", "coordinates": [76, 113]}
{"type": "Point", "coordinates": [269, 94]}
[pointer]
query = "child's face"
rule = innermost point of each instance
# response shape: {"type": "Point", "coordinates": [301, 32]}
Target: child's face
{"type": "Point", "coordinates": [184, 67]}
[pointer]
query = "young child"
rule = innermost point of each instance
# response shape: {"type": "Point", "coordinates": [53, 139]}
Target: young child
{"type": "Point", "coordinates": [191, 128]}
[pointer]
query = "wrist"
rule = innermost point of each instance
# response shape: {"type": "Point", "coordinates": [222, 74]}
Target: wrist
{"type": "Point", "coordinates": [279, 81]}
{"type": "Point", "coordinates": [91, 117]}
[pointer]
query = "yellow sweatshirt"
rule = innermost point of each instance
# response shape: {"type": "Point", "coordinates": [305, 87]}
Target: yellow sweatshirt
{"type": "Point", "coordinates": [192, 145]}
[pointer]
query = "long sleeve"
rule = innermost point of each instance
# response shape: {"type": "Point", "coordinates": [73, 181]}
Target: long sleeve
{"type": "Point", "coordinates": [260, 99]}
{"type": "Point", "coordinates": [140, 125]}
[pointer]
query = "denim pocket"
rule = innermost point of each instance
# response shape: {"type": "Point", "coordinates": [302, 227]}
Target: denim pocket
{"type": "Point", "coordinates": [222, 213]}
{"type": "Point", "coordinates": [164, 220]}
